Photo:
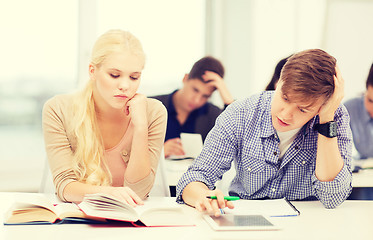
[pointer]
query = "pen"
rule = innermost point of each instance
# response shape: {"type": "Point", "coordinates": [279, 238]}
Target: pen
{"type": "Point", "coordinates": [228, 198]}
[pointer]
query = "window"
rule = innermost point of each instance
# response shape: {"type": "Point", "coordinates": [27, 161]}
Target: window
{"type": "Point", "coordinates": [38, 52]}
{"type": "Point", "coordinates": [45, 48]}
{"type": "Point", "coordinates": [172, 34]}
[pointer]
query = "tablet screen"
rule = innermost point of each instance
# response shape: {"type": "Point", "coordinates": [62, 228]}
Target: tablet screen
{"type": "Point", "coordinates": [240, 222]}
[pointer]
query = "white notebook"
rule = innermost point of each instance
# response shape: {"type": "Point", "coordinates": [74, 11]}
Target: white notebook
{"type": "Point", "coordinates": [270, 207]}
{"type": "Point", "coordinates": [192, 145]}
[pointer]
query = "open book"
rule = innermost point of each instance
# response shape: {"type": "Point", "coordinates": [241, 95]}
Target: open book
{"type": "Point", "coordinates": [97, 208]}
{"type": "Point", "coordinates": [38, 209]}
{"type": "Point", "coordinates": [154, 213]}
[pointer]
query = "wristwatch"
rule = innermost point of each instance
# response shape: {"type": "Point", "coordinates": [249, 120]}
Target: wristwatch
{"type": "Point", "coordinates": [328, 129]}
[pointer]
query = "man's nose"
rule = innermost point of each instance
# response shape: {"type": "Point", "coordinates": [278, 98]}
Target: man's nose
{"type": "Point", "coordinates": [287, 113]}
{"type": "Point", "coordinates": [197, 99]}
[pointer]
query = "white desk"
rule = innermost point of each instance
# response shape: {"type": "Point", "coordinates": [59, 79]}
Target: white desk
{"type": "Point", "coordinates": [175, 169]}
{"type": "Point", "coordinates": [351, 220]}
{"type": "Point", "coordinates": [363, 178]}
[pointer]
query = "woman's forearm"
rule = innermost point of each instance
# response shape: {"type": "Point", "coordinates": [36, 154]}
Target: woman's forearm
{"type": "Point", "coordinates": [139, 165]}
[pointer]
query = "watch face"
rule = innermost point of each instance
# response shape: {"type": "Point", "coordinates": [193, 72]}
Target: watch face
{"type": "Point", "coordinates": [333, 129]}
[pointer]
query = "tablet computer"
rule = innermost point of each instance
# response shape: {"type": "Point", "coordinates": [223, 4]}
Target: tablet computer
{"type": "Point", "coordinates": [229, 222]}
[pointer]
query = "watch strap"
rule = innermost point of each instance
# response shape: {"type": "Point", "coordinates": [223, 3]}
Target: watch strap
{"type": "Point", "coordinates": [328, 129]}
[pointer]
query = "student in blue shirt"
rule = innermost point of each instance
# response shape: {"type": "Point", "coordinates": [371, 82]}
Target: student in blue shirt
{"type": "Point", "coordinates": [294, 142]}
{"type": "Point", "coordinates": [361, 114]}
{"type": "Point", "coordinates": [276, 74]}
{"type": "Point", "coordinates": [188, 108]}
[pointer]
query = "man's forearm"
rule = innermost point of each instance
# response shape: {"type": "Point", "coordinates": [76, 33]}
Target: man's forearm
{"type": "Point", "coordinates": [328, 160]}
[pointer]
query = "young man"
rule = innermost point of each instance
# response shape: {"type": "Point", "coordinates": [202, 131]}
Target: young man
{"type": "Point", "coordinates": [294, 142]}
{"type": "Point", "coordinates": [188, 109]}
{"type": "Point", "coordinates": [361, 114]}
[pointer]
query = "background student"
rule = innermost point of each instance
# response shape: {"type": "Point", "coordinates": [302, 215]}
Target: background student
{"type": "Point", "coordinates": [276, 74]}
{"type": "Point", "coordinates": [294, 142]}
{"type": "Point", "coordinates": [188, 109]}
{"type": "Point", "coordinates": [361, 114]}
{"type": "Point", "coordinates": [106, 138]}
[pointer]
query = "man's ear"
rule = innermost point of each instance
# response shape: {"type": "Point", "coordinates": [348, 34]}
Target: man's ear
{"type": "Point", "coordinates": [186, 77]}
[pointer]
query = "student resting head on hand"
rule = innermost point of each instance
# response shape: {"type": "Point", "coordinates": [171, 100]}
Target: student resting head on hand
{"type": "Point", "coordinates": [106, 138]}
{"type": "Point", "coordinates": [276, 74]}
{"type": "Point", "coordinates": [294, 142]}
{"type": "Point", "coordinates": [361, 114]}
{"type": "Point", "coordinates": [188, 108]}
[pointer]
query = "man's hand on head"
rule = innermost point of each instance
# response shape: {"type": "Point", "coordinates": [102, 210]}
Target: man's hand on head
{"type": "Point", "coordinates": [327, 111]}
{"type": "Point", "coordinates": [215, 80]}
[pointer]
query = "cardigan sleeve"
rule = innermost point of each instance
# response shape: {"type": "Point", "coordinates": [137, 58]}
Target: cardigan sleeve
{"type": "Point", "coordinates": [157, 122]}
{"type": "Point", "coordinates": [58, 145]}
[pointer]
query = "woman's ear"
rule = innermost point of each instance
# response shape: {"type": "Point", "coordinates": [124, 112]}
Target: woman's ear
{"type": "Point", "coordinates": [92, 69]}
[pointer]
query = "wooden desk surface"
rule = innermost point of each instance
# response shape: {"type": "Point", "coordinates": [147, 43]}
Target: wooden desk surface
{"type": "Point", "coordinates": [351, 220]}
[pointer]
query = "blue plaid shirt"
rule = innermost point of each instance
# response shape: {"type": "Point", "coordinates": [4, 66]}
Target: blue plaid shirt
{"type": "Point", "coordinates": [244, 134]}
{"type": "Point", "coordinates": [362, 127]}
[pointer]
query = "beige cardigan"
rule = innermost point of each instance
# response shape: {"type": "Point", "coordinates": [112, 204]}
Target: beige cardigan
{"type": "Point", "coordinates": [60, 142]}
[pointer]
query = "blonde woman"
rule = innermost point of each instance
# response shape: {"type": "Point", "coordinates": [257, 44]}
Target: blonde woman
{"type": "Point", "coordinates": [106, 138]}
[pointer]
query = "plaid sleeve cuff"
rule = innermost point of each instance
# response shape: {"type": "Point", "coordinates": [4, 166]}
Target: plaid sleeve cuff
{"type": "Point", "coordinates": [333, 193]}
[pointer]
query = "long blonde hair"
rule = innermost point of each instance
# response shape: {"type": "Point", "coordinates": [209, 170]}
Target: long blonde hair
{"type": "Point", "coordinates": [88, 161]}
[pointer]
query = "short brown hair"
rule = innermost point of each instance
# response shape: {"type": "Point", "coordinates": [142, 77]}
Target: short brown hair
{"type": "Point", "coordinates": [370, 78]}
{"type": "Point", "coordinates": [309, 75]}
{"type": "Point", "coordinates": [206, 64]}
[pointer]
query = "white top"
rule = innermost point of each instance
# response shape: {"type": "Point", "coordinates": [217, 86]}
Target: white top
{"type": "Point", "coordinates": [286, 138]}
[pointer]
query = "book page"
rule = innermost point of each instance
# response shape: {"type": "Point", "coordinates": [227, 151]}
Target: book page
{"type": "Point", "coordinates": [162, 212]}
{"type": "Point", "coordinates": [156, 203]}
{"type": "Point", "coordinates": [154, 212]}
{"type": "Point", "coordinates": [69, 210]}
{"type": "Point", "coordinates": [105, 206]}
{"type": "Point", "coordinates": [34, 200]}
{"type": "Point", "coordinates": [35, 208]}
{"type": "Point", "coordinates": [270, 207]}
{"type": "Point", "coordinates": [31, 214]}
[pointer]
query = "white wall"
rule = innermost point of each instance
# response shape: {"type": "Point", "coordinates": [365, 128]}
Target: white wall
{"type": "Point", "coordinates": [349, 37]}
{"type": "Point", "coordinates": [249, 36]}
{"type": "Point", "coordinates": [255, 34]}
